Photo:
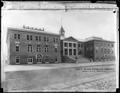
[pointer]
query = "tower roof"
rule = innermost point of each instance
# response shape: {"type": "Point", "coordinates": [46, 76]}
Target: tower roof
{"type": "Point", "coordinates": [62, 29]}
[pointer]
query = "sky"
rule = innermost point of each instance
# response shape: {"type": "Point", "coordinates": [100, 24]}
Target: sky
{"type": "Point", "coordinates": [80, 24]}
{"type": "Point", "coordinates": [77, 23]}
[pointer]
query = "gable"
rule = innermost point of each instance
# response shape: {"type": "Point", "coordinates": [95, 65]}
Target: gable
{"type": "Point", "coordinates": [71, 39]}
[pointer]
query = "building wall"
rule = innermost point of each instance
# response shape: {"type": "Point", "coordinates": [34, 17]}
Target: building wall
{"type": "Point", "coordinates": [23, 44]}
{"type": "Point", "coordinates": [89, 49]}
{"type": "Point", "coordinates": [104, 51]}
{"type": "Point", "coordinates": [100, 50]}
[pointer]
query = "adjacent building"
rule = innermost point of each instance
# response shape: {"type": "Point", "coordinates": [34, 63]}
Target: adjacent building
{"type": "Point", "coordinates": [99, 49]}
{"type": "Point", "coordinates": [32, 46]}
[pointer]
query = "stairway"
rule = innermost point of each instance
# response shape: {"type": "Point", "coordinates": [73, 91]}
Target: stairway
{"type": "Point", "coordinates": [66, 59]}
{"type": "Point", "coordinates": [82, 59]}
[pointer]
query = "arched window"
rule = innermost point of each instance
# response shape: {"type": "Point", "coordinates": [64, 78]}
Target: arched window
{"type": "Point", "coordinates": [39, 58]}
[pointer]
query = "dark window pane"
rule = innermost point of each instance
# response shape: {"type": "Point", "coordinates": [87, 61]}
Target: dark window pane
{"type": "Point", "coordinates": [74, 45]}
{"type": "Point", "coordinates": [65, 44]}
{"type": "Point", "coordinates": [17, 59]}
{"type": "Point", "coordinates": [74, 51]}
{"type": "Point", "coordinates": [31, 37]}
{"type": "Point", "coordinates": [70, 44]}
{"type": "Point", "coordinates": [18, 36]}
{"type": "Point", "coordinates": [15, 36]}
{"type": "Point", "coordinates": [66, 51]}
{"type": "Point", "coordinates": [70, 51]}
{"type": "Point", "coordinates": [39, 38]}
{"type": "Point", "coordinates": [36, 38]}
{"type": "Point", "coordinates": [27, 37]}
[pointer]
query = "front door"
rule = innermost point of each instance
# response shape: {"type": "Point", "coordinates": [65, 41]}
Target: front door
{"type": "Point", "coordinates": [39, 58]}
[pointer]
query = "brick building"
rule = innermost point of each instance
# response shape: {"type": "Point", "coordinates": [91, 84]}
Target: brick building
{"type": "Point", "coordinates": [31, 46]}
{"type": "Point", "coordinates": [99, 49]}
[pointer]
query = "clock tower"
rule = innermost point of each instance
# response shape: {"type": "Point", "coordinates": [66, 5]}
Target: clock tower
{"type": "Point", "coordinates": [62, 33]}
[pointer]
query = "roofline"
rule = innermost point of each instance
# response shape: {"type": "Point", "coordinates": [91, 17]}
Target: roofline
{"type": "Point", "coordinates": [101, 40]}
{"type": "Point", "coordinates": [32, 30]}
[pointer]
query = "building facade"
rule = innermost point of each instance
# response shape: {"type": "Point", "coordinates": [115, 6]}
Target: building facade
{"type": "Point", "coordinates": [32, 46]}
{"type": "Point", "coordinates": [69, 47]}
{"type": "Point", "coordinates": [99, 50]}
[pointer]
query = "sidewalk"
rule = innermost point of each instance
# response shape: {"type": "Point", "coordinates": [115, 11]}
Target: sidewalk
{"type": "Point", "coordinates": [8, 68]}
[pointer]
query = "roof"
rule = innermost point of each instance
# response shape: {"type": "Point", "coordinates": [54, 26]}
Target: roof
{"type": "Point", "coordinates": [71, 39]}
{"type": "Point", "coordinates": [32, 30]}
{"type": "Point", "coordinates": [62, 29]}
{"type": "Point", "coordinates": [96, 39]}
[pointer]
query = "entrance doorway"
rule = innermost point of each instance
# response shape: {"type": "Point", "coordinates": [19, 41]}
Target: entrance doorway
{"type": "Point", "coordinates": [39, 58]}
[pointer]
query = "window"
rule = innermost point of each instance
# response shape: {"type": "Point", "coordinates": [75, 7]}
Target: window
{"type": "Point", "coordinates": [18, 36]}
{"type": "Point", "coordinates": [39, 58]}
{"type": "Point", "coordinates": [66, 51]}
{"type": "Point", "coordinates": [74, 51]}
{"type": "Point", "coordinates": [38, 48]}
{"type": "Point", "coordinates": [30, 37]}
{"type": "Point", "coordinates": [17, 48]}
{"type": "Point", "coordinates": [70, 51]}
{"type": "Point", "coordinates": [46, 49]}
{"type": "Point", "coordinates": [78, 45]}
{"type": "Point", "coordinates": [30, 60]}
{"type": "Point", "coordinates": [55, 59]}
{"type": "Point", "coordinates": [15, 36]}
{"type": "Point", "coordinates": [74, 45]}
{"type": "Point", "coordinates": [27, 37]}
{"type": "Point", "coordinates": [70, 44]}
{"type": "Point", "coordinates": [17, 60]}
{"type": "Point", "coordinates": [54, 40]}
{"type": "Point", "coordinates": [66, 44]}
{"type": "Point", "coordinates": [45, 39]}
{"type": "Point", "coordinates": [36, 38]}
{"type": "Point", "coordinates": [29, 48]}
{"type": "Point", "coordinates": [39, 38]}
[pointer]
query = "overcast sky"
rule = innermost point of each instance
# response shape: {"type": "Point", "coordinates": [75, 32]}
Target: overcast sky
{"type": "Point", "coordinates": [78, 23]}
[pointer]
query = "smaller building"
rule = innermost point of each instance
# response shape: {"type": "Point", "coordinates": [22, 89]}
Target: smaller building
{"type": "Point", "coordinates": [99, 49]}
